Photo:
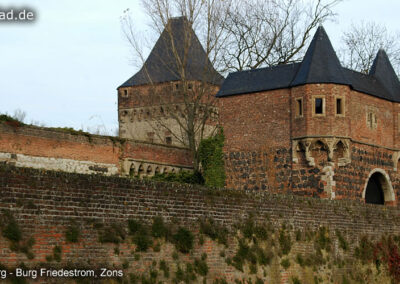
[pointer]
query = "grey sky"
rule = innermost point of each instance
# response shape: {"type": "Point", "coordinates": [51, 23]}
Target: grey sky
{"type": "Point", "coordinates": [63, 69]}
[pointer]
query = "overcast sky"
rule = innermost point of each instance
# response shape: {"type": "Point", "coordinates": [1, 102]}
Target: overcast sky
{"type": "Point", "coordinates": [64, 68]}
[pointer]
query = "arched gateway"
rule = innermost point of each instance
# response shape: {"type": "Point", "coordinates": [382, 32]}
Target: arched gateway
{"type": "Point", "coordinates": [378, 188]}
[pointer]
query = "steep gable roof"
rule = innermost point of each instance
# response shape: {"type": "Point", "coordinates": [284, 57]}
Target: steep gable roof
{"type": "Point", "coordinates": [319, 65]}
{"type": "Point", "coordinates": [162, 63]}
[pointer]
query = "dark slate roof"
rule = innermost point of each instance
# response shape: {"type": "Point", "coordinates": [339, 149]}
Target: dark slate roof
{"type": "Point", "coordinates": [161, 65]}
{"type": "Point", "coordinates": [319, 65]}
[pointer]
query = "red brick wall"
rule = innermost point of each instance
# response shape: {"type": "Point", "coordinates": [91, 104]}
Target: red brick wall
{"type": "Point", "coordinates": [44, 204]}
{"type": "Point", "coordinates": [259, 129]}
{"type": "Point", "coordinates": [43, 142]}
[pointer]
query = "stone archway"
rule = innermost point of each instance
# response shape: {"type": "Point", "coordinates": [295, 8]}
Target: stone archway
{"type": "Point", "coordinates": [378, 188]}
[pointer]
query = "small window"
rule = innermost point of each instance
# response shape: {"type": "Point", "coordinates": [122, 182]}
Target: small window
{"type": "Point", "coordinates": [299, 107]}
{"type": "Point", "coordinates": [177, 86]}
{"type": "Point", "coordinates": [372, 120]}
{"type": "Point", "coordinates": [339, 106]}
{"type": "Point", "coordinates": [125, 93]}
{"type": "Point", "coordinates": [319, 106]}
{"type": "Point", "coordinates": [168, 140]}
{"type": "Point", "coordinates": [190, 86]}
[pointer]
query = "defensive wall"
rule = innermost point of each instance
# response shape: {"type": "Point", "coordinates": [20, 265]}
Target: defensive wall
{"type": "Point", "coordinates": [75, 151]}
{"type": "Point", "coordinates": [330, 236]}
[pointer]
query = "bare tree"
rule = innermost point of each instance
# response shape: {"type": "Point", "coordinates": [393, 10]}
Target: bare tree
{"type": "Point", "coordinates": [19, 115]}
{"type": "Point", "coordinates": [361, 44]}
{"type": "Point", "coordinates": [185, 108]}
{"type": "Point", "coordinates": [270, 32]}
{"type": "Point", "coordinates": [235, 35]}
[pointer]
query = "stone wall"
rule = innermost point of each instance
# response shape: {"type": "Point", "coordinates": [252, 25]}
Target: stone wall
{"type": "Point", "coordinates": [45, 204]}
{"type": "Point", "coordinates": [73, 151]}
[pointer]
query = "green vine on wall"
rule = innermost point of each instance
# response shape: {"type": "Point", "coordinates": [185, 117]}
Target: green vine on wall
{"type": "Point", "coordinates": [211, 157]}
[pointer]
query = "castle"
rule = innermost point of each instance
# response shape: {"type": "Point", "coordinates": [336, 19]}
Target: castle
{"type": "Point", "coordinates": [311, 128]}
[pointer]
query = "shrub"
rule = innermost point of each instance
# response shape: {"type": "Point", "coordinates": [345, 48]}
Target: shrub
{"type": "Point", "coordinates": [158, 229]}
{"type": "Point", "coordinates": [296, 280]}
{"type": "Point", "coordinates": [134, 226]}
{"type": "Point", "coordinates": [164, 267]}
{"type": "Point", "coordinates": [72, 234]}
{"type": "Point", "coordinates": [57, 253]}
{"type": "Point", "coordinates": [183, 240]}
{"type": "Point", "coordinates": [211, 158]}
{"type": "Point", "coordinates": [285, 242]}
{"type": "Point", "coordinates": [285, 263]}
{"type": "Point", "coordinates": [182, 177]}
{"type": "Point", "coordinates": [365, 250]}
{"type": "Point", "coordinates": [323, 241]}
{"type": "Point", "coordinates": [142, 239]}
{"type": "Point", "coordinates": [11, 229]}
{"type": "Point", "coordinates": [200, 266]}
{"type": "Point", "coordinates": [300, 260]}
{"type": "Point", "coordinates": [342, 241]}
{"type": "Point", "coordinates": [112, 234]}
{"type": "Point", "coordinates": [214, 231]}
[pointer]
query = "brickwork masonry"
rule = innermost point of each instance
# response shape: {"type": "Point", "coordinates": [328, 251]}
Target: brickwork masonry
{"type": "Point", "coordinates": [45, 204]}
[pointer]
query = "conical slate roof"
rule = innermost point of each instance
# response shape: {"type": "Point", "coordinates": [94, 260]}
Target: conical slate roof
{"type": "Point", "coordinates": [319, 65]}
{"type": "Point", "coordinates": [383, 70]}
{"type": "Point", "coordinates": [162, 63]}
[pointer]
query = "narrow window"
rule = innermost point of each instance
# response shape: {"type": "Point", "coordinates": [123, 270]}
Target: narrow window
{"type": "Point", "coordinates": [299, 107]}
{"type": "Point", "coordinates": [339, 106]}
{"type": "Point", "coordinates": [190, 86]}
{"type": "Point", "coordinates": [125, 93]}
{"type": "Point", "coordinates": [319, 108]}
{"type": "Point", "coordinates": [168, 140]}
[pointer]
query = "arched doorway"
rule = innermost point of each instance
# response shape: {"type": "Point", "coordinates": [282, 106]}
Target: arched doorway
{"type": "Point", "coordinates": [374, 191]}
{"type": "Point", "coordinates": [378, 189]}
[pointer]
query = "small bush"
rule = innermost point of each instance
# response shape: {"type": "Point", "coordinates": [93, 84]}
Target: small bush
{"type": "Point", "coordinates": [11, 229]}
{"type": "Point", "coordinates": [164, 267]}
{"type": "Point", "coordinates": [285, 242]}
{"type": "Point", "coordinates": [72, 234]}
{"type": "Point", "coordinates": [296, 280]}
{"type": "Point", "coordinates": [323, 241]}
{"type": "Point", "coordinates": [134, 226]}
{"type": "Point", "coordinates": [285, 263]}
{"type": "Point", "coordinates": [214, 231]}
{"type": "Point", "coordinates": [57, 253]}
{"type": "Point", "coordinates": [342, 241]}
{"type": "Point", "coordinates": [112, 234]}
{"type": "Point", "coordinates": [183, 240]}
{"type": "Point", "coordinates": [200, 266]}
{"type": "Point", "coordinates": [158, 229]}
{"type": "Point", "coordinates": [182, 177]}
{"type": "Point", "coordinates": [142, 239]}
{"type": "Point", "coordinates": [300, 260]}
{"type": "Point", "coordinates": [365, 250]}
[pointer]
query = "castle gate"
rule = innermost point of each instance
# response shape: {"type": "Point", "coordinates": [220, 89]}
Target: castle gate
{"type": "Point", "coordinates": [378, 188]}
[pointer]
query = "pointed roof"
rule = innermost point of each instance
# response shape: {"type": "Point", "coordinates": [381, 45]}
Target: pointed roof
{"type": "Point", "coordinates": [162, 66]}
{"type": "Point", "coordinates": [320, 64]}
{"type": "Point", "coordinates": [383, 70]}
